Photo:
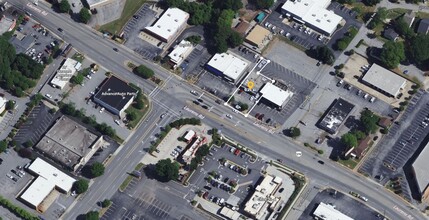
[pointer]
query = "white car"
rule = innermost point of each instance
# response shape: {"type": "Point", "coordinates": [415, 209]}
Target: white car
{"type": "Point", "coordinates": [102, 110]}
{"type": "Point", "coordinates": [117, 122]}
{"type": "Point", "coordinates": [48, 96]}
{"type": "Point", "coordinates": [229, 116]}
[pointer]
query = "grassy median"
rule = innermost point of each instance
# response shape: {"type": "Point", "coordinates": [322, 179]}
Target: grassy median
{"type": "Point", "coordinates": [129, 178]}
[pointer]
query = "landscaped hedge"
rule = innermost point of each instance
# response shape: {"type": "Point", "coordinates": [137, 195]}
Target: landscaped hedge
{"type": "Point", "coordinates": [18, 211]}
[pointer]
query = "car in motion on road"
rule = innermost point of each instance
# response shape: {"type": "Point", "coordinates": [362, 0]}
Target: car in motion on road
{"type": "Point", "coordinates": [115, 49]}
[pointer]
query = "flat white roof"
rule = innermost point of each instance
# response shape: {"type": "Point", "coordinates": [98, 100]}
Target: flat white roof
{"type": "Point", "coordinates": [181, 51]}
{"type": "Point", "coordinates": [48, 178]}
{"type": "Point", "coordinates": [384, 79]}
{"type": "Point", "coordinates": [3, 102]}
{"type": "Point", "coordinates": [420, 168]}
{"type": "Point", "coordinates": [263, 194]}
{"type": "Point", "coordinates": [189, 135]}
{"type": "Point", "coordinates": [229, 64]}
{"type": "Point", "coordinates": [229, 213]}
{"type": "Point", "coordinates": [169, 23]}
{"type": "Point", "coordinates": [63, 75]}
{"type": "Point", "coordinates": [314, 12]}
{"type": "Point", "coordinates": [93, 3]}
{"type": "Point", "coordinates": [328, 212]}
{"type": "Point", "coordinates": [275, 94]}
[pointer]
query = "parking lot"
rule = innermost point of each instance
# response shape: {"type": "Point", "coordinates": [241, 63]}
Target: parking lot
{"type": "Point", "coordinates": [217, 188]}
{"type": "Point", "coordinates": [144, 17]}
{"type": "Point", "coordinates": [344, 203]}
{"type": "Point", "coordinates": [401, 142]}
{"type": "Point", "coordinates": [38, 122]}
{"type": "Point", "coordinates": [34, 40]}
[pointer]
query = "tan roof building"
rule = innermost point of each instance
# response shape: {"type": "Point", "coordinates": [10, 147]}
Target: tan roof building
{"type": "Point", "coordinates": [259, 37]}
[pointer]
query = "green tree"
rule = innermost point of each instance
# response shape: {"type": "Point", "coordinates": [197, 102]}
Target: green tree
{"type": "Point", "coordinates": [369, 121]}
{"type": "Point", "coordinates": [402, 28]}
{"type": "Point", "coordinates": [97, 169]}
{"type": "Point", "coordinates": [10, 105]}
{"type": "Point", "coordinates": [167, 169]}
{"type": "Point", "coordinates": [3, 146]}
{"type": "Point", "coordinates": [392, 54]}
{"type": "Point", "coordinates": [194, 39]}
{"type": "Point", "coordinates": [77, 79]}
{"type": "Point", "coordinates": [359, 134]}
{"type": "Point", "coordinates": [139, 104]}
{"type": "Point", "coordinates": [84, 15]}
{"type": "Point", "coordinates": [105, 203]}
{"type": "Point", "coordinates": [80, 186]}
{"type": "Point", "coordinates": [131, 116]}
{"type": "Point", "coordinates": [294, 132]}
{"type": "Point", "coordinates": [263, 4]}
{"type": "Point", "coordinates": [371, 2]}
{"type": "Point", "coordinates": [234, 5]}
{"type": "Point", "coordinates": [64, 6]}
{"type": "Point", "coordinates": [419, 49]}
{"type": "Point", "coordinates": [324, 54]}
{"type": "Point", "coordinates": [234, 39]}
{"type": "Point", "coordinates": [349, 140]}
{"type": "Point", "coordinates": [92, 215]}
{"type": "Point", "coordinates": [144, 72]}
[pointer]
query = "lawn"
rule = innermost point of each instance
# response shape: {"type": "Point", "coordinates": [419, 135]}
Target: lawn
{"type": "Point", "coordinates": [78, 57]}
{"type": "Point", "coordinates": [350, 163]}
{"type": "Point", "coordinates": [139, 112]}
{"type": "Point", "coordinates": [396, 12]}
{"type": "Point", "coordinates": [361, 9]}
{"type": "Point", "coordinates": [130, 8]}
{"type": "Point", "coordinates": [422, 14]}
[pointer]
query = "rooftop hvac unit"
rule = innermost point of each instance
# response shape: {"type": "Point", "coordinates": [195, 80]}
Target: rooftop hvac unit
{"type": "Point", "coordinates": [176, 20]}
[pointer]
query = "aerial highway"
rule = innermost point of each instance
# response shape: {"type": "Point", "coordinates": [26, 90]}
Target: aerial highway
{"type": "Point", "coordinates": [170, 99]}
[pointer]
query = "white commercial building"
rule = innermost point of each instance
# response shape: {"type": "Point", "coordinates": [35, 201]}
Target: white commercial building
{"type": "Point", "coordinates": [171, 23]}
{"type": "Point", "coordinates": [384, 80]}
{"type": "Point", "coordinates": [275, 95]}
{"type": "Point", "coordinates": [49, 178]}
{"type": "Point", "coordinates": [313, 13]}
{"type": "Point", "coordinates": [421, 175]}
{"type": "Point", "coordinates": [3, 102]}
{"type": "Point", "coordinates": [64, 74]}
{"type": "Point", "coordinates": [228, 65]}
{"type": "Point", "coordinates": [263, 197]}
{"type": "Point", "coordinates": [180, 52]}
{"type": "Point", "coordinates": [328, 212]}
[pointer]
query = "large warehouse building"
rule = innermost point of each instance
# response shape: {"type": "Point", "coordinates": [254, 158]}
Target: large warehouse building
{"type": "Point", "coordinates": [69, 143]}
{"type": "Point", "coordinates": [42, 192]}
{"type": "Point", "coordinates": [169, 25]}
{"type": "Point", "coordinates": [228, 65]}
{"type": "Point", "coordinates": [384, 81]}
{"type": "Point", "coordinates": [313, 13]}
{"type": "Point", "coordinates": [115, 95]}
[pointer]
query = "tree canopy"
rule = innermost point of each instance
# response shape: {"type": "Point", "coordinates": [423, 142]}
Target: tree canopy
{"type": "Point", "coordinates": [349, 140]}
{"type": "Point", "coordinates": [97, 169]}
{"type": "Point", "coordinates": [92, 215]}
{"type": "Point", "coordinates": [167, 169]}
{"type": "Point", "coordinates": [369, 121]}
{"type": "Point", "coordinates": [324, 54]}
{"type": "Point", "coordinates": [84, 15]}
{"type": "Point", "coordinates": [27, 66]}
{"type": "Point", "coordinates": [263, 4]}
{"type": "Point", "coordinates": [371, 2]}
{"type": "Point", "coordinates": [80, 186]}
{"type": "Point", "coordinates": [392, 54]}
{"type": "Point", "coordinates": [402, 28]}
{"type": "Point", "coordinates": [144, 72]}
{"type": "Point", "coordinates": [64, 6]}
{"type": "Point", "coordinates": [294, 132]}
{"type": "Point", "coordinates": [419, 49]}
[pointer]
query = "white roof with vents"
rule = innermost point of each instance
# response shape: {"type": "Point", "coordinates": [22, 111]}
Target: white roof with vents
{"type": "Point", "coordinates": [181, 51]}
{"type": "Point", "coordinates": [229, 64]}
{"type": "Point", "coordinates": [169, 23]}
{"type": "Point", "coordinates": [275, 94]}
{"type": "Point", "coordinates": [49, 178]}
{"type": "Point", "coordinates": [314, 12]}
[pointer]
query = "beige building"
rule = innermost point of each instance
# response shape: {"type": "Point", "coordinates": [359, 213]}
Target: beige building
{"type": "Point", "coordinates": [69, 143]}
{"type": "Point", "coordinates": [258, 37]}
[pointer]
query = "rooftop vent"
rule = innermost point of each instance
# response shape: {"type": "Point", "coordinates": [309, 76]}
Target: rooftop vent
{"type": "Point", "coordinates": [176, 20]}
{"type": "Point", "coordinates": [168, 15]}
{"type": "Point", "coordinates": [158, 26]}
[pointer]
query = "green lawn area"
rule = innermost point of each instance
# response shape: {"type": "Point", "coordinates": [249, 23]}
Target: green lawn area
{"type": "Point", "coordinates": [350, 163]}
{"type": "Point", "coordinates": [131, 6]}
{"type": "Point", "coordinates": [78, 57]}
{"type": "Point", "coordinates": [396, 12]}
{"type": "Point", "coordinates": [139, 112]}
{"type": "Point", "coordinates": [361, 9]}
{"type": "Point", "coordinates": [129, 178]}
{"type": "Point", "coordinates": [422, 14]}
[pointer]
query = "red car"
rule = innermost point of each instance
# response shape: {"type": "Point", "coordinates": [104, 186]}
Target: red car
{"type": "Point", "coordinates": [236, 152]}
{"type": "Point", "coordinates": [205, 195]}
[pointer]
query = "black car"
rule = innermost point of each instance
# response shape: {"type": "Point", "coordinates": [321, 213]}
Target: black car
{"type": "Point", "coordinates": [135, 17]}
{"type": "Point", "coordinates": [115, 49]}
{"type": "Point", "coordinates": [1, 161]}
{"type": "Point", "coordinates": [268, 120]}
{"type": "Point", "coordinates": [196, 102]}
{"type": "Point", "coordinates": [200, 100]}
{"type": "Point", "coordinates": [207, 187]}
{"type": "Point", "coordinates": [321, 162]}
{"type": "Point", "coordinates": [281, 190]}
{"type": "Point", "coordinates": [60, 30]}
{"type": "Point", "coordinates": [205, 107]}
{"type": "Point", "coordinates": [226, 180]}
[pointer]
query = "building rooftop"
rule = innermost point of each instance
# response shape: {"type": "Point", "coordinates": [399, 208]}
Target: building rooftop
{"type": "Point", "coordinates": [115, 93]}
{"type": "Point", "coordinates": [359, 151]}
{"type": "Point", "coordinates": [229, 64]}
{"type": "Point", "coordinates": [6, 24]}
{"type": "Point", "coordinates": [328, 212]}
{"type": "Point", "coordinates": [68, 142]}
{"type": "Point", "coordinates": [314, 12]}
{"type": "Point", "coordinates": [385, 80]}
{"type": "Point", "coordinates": [63, 74]}
{"type": "Point", "coordinates": [229, 213]}
{"type": "Point", "coordinates": [181, 51]}
{"type": "Point", "coordinates": [423, 26]}
{"type": "Point", "coordinates": [262, 196]}
{"type": "Point", "coordinates": [409, 18]}
{"type": "Point", "coordinates": [258, 36]}
{"type": "Point", "coordinates": [49, 178]}
{"type": "Point", "coordinates": [3, 102]}
{"type": "Point", "coordinates": [336, 115]}
{"type": "Point", "coordinates": [390, 34]}
{"type": "Point", "coordinates": [420, 166]}
{"type": "Point", "coordinates": [169, 23]}
{"type": "Point", "coordinates": [275, 94]}
{"type": "Point", "coordinates": [242, 27]}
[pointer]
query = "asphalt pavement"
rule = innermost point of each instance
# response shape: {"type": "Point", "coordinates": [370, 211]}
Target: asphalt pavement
{"type": "Point", "coordinates": [171, 98]}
